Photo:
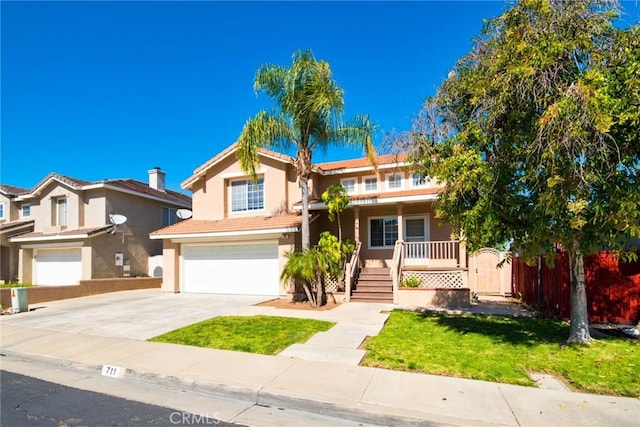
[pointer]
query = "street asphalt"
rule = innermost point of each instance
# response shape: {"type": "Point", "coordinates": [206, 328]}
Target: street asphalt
{"type": "Point", "coordinates": [84, 337]}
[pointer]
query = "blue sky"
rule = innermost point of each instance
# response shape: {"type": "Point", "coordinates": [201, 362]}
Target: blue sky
{"type": "Point", "coordinates": [98, 90]}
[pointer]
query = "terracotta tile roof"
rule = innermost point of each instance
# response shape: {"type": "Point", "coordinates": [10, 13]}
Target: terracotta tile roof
{"type": "Point", "coordinates": [227, 151]}
{"type": "Point", "coordinates": [124, 184]}
{"type": "Point", "coordinates": [78, 232]}
{"type": "Point", "coordinates": [141, 187]}
{"type": "Point", "coordinates": [385, 195]}
{"type": "Point", "coordinates": [14, 225]}
{"type": "Point", "coordinates": [10, 190]}
{"type": "Point", "coordinates": [362, 162]}
{"type": "Point", "coordinates": [72, 182]}
{"type": "Point", "coordinates": [255, 223]}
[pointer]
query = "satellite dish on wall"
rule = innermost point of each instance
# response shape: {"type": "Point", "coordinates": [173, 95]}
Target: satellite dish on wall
{"type": "Point", "coordinates": [117, 219]}
{"type": "Point", "coordinates": [184, 213]}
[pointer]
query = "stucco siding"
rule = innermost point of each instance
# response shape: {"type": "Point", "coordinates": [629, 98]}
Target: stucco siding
{"type": "Point", "coordinates": [211, 195]}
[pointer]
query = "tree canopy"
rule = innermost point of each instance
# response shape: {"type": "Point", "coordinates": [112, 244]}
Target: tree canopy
{"type": "Point", "coordinates": [535, 135]}
{"type": "Point", "coordinates": [308, 117]}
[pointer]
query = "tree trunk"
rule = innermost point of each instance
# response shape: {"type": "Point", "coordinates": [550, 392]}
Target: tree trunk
{"type": "Point", "coordinates": [320, 293]}
{"type": "Point", "coordinates": [579, 332]}
{"type": "Point", "coordinates": [309, 294]}
{"type": "Point", "coordinates": [304, 190]}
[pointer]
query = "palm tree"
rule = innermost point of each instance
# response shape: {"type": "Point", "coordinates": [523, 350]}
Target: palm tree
{"type": "Point", "coordinates": [309, 117]}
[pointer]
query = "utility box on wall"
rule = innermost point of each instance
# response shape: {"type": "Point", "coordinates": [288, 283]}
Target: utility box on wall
{"type": "Point", "coordinates": [19, 302]}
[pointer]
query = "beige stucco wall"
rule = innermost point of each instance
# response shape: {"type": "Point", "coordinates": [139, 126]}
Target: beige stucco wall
{"type": "Point", "coordinates": [43, 208]}
{"type": "Point", "coordinates": [11, 209]}
{"type": "Point", "coordinates": [25, 266]}
{"type": "Point", "coordinates": [211, 194]}
{"type": "Point", "coordinates": [90, 209]}
{"type": "Point", "coordinates": [375, 257]}
{"type": "Point", "coordinates": [422, 297]}
{"type": "Point", "coordinates": [170, 266]}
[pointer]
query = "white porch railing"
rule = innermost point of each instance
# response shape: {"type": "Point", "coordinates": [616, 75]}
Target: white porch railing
{"type": "Point", "coordinates": [432, 253]}
{"type": "Point", "coordinates": [396, 269]}
{"type": "Point", "coordinates": [351, 272]}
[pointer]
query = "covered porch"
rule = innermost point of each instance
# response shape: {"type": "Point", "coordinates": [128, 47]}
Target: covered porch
{"type": "Point", "coordinates": [404, 257]}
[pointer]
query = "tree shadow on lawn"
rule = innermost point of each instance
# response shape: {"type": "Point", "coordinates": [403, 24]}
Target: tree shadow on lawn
{"type": "Point", "coordinates": [524, 331]}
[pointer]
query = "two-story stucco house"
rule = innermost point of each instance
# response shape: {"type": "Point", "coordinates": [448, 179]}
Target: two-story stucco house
{"type": "Point", "coordinates": [75, 236]}
{"type": "Point", "coordinates": [240, 231]}
{"type": "Point", "coordinates": [15, 219]}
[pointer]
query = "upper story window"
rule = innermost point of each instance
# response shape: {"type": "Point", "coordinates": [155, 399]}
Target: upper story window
{"type": "Point", "coordinates": [247, 195]}
{"type": "Point", "coordinates": [26, 210]}
{"type": "Point", "coordinates": [1, 210]}
{"type": "Point", "coordinates": [394, 181]}
{"type": "Point", "coordinates": [169, 216]}
{"type": "Point", "coordinates": [349, 185]}
{"type": "Point", "coordinates": [370, 183]}
{"type": "Point", "coordinates": [419, 180]}
{"type": "Point", "coordinates": [60, 211]}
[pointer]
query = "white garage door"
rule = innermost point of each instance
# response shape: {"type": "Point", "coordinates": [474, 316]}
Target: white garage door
{"type": "Point", "coordinates": [246, 269]}
{"type": "Point", "coordinates": [58, 266]}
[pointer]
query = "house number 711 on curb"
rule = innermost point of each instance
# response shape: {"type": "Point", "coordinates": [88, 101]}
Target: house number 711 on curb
{"type": "Point", "coordinates": [112, 371]}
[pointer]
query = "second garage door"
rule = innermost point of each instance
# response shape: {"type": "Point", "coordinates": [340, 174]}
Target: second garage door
{"type": "Point", "coordinates": [58, 267]}
{"type": "Point", "coordinates": [245, 269]}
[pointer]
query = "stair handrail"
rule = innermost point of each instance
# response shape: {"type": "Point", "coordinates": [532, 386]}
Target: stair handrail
{"type": "Point", "coordinates": [352, 268]}
{"type": "Point", "coordinates": [396, 264]}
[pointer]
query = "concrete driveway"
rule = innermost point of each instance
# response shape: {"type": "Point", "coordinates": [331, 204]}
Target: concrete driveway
{"type": "Point", "coordinates": [139, 314]}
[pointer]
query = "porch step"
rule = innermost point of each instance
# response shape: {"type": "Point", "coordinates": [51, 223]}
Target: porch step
{"type": "Point", "coordinates": [373, 285]}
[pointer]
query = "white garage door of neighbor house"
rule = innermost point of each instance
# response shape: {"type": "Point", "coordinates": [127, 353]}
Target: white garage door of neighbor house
{"type": "Point", "coordinates": [58, 267]}
{"type": "Point", "coordinates": [246, 269]}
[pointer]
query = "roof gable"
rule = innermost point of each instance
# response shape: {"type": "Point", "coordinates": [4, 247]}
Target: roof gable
{"type": "Point", "coordinates": [130, 186]}
{"type": "Point", "coordinates": [363, 163]}
{"type": "Point", "coordinates": [12, 191]}
{"type": "Point", "coordinates": [73, 183]}
{"type": "Point", "coordinates": [202, 170]}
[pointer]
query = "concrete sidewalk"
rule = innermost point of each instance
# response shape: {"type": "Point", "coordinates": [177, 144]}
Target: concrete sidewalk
{"type": "Point", "coordinates": [364, 394]}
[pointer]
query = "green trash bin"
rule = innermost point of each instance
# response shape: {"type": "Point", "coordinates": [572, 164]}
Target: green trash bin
{"type": "Point", "coordinates": [19, 300]}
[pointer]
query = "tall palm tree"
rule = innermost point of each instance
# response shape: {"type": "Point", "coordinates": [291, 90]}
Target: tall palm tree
{"type": "Point", "coordinates": [309, 117]}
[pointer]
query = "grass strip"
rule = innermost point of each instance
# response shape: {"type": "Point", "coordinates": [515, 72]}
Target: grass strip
{"type": "Point", "coordinates": [252, 334]}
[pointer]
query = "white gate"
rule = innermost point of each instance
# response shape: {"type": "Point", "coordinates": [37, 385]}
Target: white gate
{"type": "Point", "coordinates": [486, 277]}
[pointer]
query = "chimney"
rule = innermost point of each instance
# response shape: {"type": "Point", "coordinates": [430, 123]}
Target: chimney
{"type": "Point", "coordinates": [156, 179]}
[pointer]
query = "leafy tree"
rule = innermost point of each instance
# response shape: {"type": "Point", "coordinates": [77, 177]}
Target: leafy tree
{"type": "Point", "coordinates": [535, 136]}
{"type": "Point", "coordinates": [336, 199]}
{"type": "Point", "coordinates": [309, 117]}
{"type": "Point", "coordinates": [310, 267]}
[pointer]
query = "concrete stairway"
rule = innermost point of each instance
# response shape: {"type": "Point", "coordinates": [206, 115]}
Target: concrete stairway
{"type": "Point", "coordinates": [373, 285]}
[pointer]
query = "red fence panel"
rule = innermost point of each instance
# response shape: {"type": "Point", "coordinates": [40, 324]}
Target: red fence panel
{"type": "Point", "coordinates": [612, 287]}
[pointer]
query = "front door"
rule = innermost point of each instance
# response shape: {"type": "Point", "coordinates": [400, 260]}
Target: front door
{"type": "Point", "coordinates": [416, 248]}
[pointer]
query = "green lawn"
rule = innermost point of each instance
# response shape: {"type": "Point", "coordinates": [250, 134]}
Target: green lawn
{"type": "Point", "coordinates": [504, 349]}
{"type": "Point", "coordinates": [251, 334]}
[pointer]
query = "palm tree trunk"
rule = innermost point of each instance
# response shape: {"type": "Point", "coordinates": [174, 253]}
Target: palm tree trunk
{"type": "Point", "coordinates": [309, 294]}
{"type": "Point", "coordinates": [579, 332]}
{"type": "Point", "coordinates": [304, 190]}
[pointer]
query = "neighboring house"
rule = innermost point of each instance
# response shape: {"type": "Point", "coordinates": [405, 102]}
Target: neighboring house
{"type": "Point", "coordinates": [240, 231]}
{"type": "Point", "coordinates": [73, 236]}
{"type": "Point", "coordinates": [15, 219]}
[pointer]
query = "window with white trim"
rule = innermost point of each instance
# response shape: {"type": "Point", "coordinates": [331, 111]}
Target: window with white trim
{"type": "Point", "coordinates": [247, 195]}
{"type": "Point", "coordinates": [349, 185]}
{"type": "Point", "coordinates": [383, 232]}
{"type": "Point", "coordinates": [419, 180]}
{"type": "Point", "coordinates": [61, 211]}
{"type": "Point", "coordinates": [169, 216]}
{"type": "Point", "coordinates": [26, 210]}
{"type": "Point", "coordinates": [394, 181]}
{"type": "Point", "coordinates": [370, 183]}
{"type": "Point", "coordinates": [2, 210]}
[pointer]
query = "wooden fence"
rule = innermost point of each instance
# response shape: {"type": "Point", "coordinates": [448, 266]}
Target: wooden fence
{"type": "Point", "coordinates": [612, 286]}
